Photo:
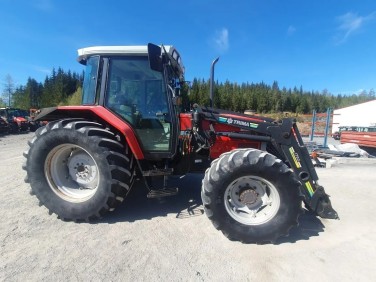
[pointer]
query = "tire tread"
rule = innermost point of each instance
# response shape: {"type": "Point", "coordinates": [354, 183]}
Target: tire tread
{"type": "Point", "coordinates": [118, 156]}
{"type": "Point", "coordinates": [232, 162]}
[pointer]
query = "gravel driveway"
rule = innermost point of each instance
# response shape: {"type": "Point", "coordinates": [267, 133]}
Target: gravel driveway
{"type": "Point", "coordinates": [172, 240]}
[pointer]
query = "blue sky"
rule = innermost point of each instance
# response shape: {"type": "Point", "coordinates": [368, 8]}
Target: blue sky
{"type": "Point", "coordinates": [321, 44]}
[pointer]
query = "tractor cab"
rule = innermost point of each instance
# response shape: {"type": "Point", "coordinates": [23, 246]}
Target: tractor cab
{"type": "Point", "coordinates": [138, 84]}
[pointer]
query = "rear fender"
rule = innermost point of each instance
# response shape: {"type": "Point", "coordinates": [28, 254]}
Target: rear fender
{"type": "Point", "coordinates": [96, 113]}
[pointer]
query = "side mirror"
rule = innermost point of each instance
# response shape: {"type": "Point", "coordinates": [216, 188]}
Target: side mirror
{"type": "Point", "coordinates": [155, 58]}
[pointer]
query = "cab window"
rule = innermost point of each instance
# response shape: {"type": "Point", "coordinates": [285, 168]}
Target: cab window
{"type": "Point", "coordinates": [90, 85]}
{"type": "Point", "coordinates": [138, 94]}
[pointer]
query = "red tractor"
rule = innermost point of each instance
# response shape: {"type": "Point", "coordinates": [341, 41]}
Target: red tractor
{"type": "Point", "coordinates": [17, 119]}
{"type": "Point", "coordinates": [84, 162]}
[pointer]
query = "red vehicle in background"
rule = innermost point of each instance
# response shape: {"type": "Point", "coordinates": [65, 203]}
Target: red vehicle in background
{"type": "Point", "coordinates": [4, 128]}
{"type": "Point", "coordinates": [34, 125]}
{"type": "Point", "coordinates": [363, 136]}
{"type": "Point", "coordinates": [17, 119]}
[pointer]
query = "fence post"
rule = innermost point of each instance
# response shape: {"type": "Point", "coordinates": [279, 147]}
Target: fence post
{"type": "Point", "coordinates": [313, 125]}
{"type": "Point", "coordinates": [327, 123]}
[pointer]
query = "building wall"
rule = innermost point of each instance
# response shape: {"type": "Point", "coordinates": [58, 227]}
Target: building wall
{"type": "Point", "coordinates": [358, 115]}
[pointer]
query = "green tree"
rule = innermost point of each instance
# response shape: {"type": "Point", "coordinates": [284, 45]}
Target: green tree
{"type": "Point", "coordinates": [277, 105]}
{"type": "Point", "coordinates": [303, 105]}
{"type": "Point", "coordinates": [75, 99]}
{"type": "Point", "coordinates": [225, 94]}
{"type": "Point", "coordinates": [64, 88]}
{"type": "Point", "coordinates": [371, 95]}
{"type": "Point", "coordinates": [21, 99]}
{"type": "Point", "coordinates": [26, 97]}
{"type": "Point", "coordinates": [58, 87]}
{"type": "Point", "coordinates": [2, 103]}
{"type": "Point", "coordinates": [194, 93]}
{"type": "Point", "coordinates": [34, 91]}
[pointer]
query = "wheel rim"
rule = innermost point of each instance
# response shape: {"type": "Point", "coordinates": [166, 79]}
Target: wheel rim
{"type": "Point", "coordinates": [72, 173]}
{"type": "Point", "coordinates": [251, 200]}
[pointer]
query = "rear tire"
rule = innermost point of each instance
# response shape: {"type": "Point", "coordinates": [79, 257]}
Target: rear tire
{"type": "Point", "coordinates": [78, 170]}
{"type": "Point", "coordinates": [251, 196]}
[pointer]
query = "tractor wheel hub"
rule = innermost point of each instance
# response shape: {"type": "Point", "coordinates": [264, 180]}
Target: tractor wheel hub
{"type": "Point", "coordinates": [248, 197]}
{"type": "Point", "coordinates": [82, 169]}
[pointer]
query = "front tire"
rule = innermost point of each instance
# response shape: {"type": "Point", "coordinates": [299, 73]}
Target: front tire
{"type": "Point", "coordinates": [251, 196]}
{"type": "Point", "coordinates": [78, 170]}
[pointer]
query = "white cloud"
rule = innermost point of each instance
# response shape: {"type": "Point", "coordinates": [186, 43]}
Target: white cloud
{"type": "Point", "coordinates": [221, 40]}
{"type": "Point", "coordinates": [41, 69]}
{"type": "Point", "coordinates": [350, 23]}
{"type": "Point", "coordinates": [360, 91]}
{"type": "Point", "coordinates": [352, 92]}
{"type": "Point", "coordinates": [291, 30]}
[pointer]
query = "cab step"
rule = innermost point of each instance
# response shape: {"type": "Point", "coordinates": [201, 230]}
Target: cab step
{"type": "Point", "coordinates": [164, 192]}
{"type": "Point", "coordinates": [158, 172]}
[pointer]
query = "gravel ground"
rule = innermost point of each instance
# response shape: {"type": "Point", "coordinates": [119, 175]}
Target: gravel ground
{"type": "Point", "coordinates": [172, 240]}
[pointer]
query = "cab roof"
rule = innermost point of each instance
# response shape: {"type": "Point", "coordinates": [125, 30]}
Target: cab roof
{"type": "Point", "coordinates": [84, 53]}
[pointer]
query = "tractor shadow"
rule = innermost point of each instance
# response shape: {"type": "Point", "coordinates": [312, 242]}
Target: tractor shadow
{"type": "Point", "coordinates": [309, 226]}
{"type": "Point", "coordinates": [137, 206]}
{"type": "Point", "coordinates": [187, 203]}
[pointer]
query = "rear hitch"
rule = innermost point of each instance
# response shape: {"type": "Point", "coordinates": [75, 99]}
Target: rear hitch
{"type": "Point", "coordinates": [321, 204]}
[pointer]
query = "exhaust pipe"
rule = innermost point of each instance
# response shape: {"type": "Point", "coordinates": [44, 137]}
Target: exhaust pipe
{"type": "Point", "coordinates": [212, 81]}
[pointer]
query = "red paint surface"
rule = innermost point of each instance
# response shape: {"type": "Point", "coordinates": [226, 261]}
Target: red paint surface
{"type": "Point", "coordinates": [116, 122]}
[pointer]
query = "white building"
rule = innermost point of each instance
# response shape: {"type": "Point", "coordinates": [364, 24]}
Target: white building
{"type": "Point", "coordinates": [358, 115]}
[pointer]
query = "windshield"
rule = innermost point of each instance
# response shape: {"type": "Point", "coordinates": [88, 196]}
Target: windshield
{"type": "Point", "coordinates": [133, 83]}
{"type": "Point", "coordinates": [17, 113]}
{"type": "Point", "coordinates": [13, 113]}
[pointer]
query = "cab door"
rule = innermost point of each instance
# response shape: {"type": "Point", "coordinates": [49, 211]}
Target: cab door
{"type": "Point", "coordinates": [139, 96]}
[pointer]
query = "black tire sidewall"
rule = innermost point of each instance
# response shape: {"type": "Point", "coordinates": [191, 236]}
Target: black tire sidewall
{"type": "Point", "coordinates": [65, 209]}
{"type": "Point", "coordinates": [285, 217]}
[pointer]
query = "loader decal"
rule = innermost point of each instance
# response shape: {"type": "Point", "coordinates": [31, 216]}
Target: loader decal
{"type": "Point", "coordinates": [295, 157]}
{"type": "Point", "coordinates": [309, 188]}
{"type": "Point", "coordinates": [222, 119]}
{"type": "Point", "coordinates": [237, 122]}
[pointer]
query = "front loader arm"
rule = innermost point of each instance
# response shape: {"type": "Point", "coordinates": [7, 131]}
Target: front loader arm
{"type": "Point", "coordinates": [288, 138]}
